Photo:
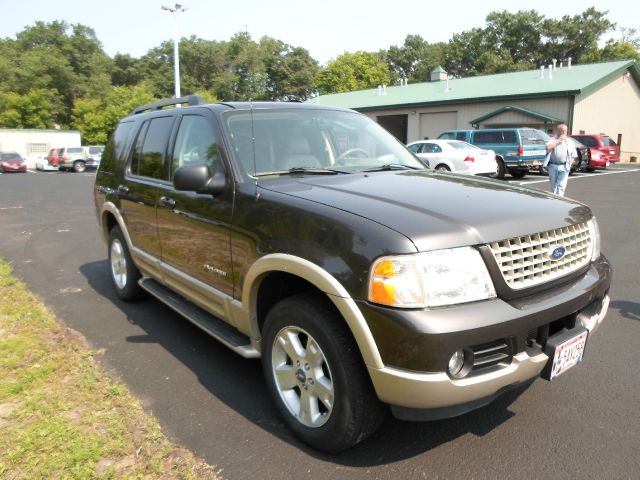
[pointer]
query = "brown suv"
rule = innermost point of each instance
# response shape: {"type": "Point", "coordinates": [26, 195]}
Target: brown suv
{"type": "Point", "coordinates": [310, 237]}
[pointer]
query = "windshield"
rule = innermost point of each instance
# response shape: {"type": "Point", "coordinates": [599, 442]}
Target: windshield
{"type": "Point", "coordinates": [292, 140]}
{"type": "Point", "coordinates": [10, 157]}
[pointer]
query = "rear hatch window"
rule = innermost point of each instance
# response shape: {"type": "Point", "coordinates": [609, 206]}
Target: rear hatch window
{"type": "Point", "coordinates": [534, 137]}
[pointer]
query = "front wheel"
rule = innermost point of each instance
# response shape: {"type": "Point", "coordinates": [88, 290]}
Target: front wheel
{"type": "Point", "coordinates": [316, 376]}
{"type": "Point", "coordinates": [442, 168]}
{"type": "Point", "coordinates": [124, 273]}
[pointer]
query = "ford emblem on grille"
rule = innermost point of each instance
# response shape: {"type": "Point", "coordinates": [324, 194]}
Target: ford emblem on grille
{"type": "Point", "coordinates": [556, 252]}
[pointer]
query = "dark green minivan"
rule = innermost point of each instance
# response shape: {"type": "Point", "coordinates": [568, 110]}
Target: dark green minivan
{"type": "Point", "coordinates": [517, 149]}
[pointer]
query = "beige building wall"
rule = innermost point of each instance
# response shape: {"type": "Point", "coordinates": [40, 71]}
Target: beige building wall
{"type": "Point", "coordinates": [464, 113]}
{"type": "Point", "coordinates": [612, 109]}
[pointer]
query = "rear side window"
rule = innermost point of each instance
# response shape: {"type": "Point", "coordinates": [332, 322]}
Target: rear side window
{"type": "Point", "coordinates": [149, 155]}
{"type": "Point", "coordinates": [500, 136]}
{"type": "Point", "coordinates": [75, 150]}
{"type": "Point", "coordinates": [461, 136]}
{"type": "Point", "coordinates": [95, 150]}
{"type": "Point", "coordinates": [414, 148]}
{"type": "Point", "coordinates": [608, 142]}
{"type": "Point", "coordinates": [431, 148]}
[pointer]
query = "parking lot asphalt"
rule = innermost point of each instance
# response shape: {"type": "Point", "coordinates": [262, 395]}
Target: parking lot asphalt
{"type": "Point", "coordinates": [585, 424]}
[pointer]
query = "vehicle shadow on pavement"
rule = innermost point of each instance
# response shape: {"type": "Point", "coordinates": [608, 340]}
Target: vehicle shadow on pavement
{"type": "Point", "coordinates": [627, 309]}
{"type": "Point", "coordinates": [239, 384]}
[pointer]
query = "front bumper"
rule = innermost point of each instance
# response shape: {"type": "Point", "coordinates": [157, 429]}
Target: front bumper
{"type": "Point", "coordinates": [415, 345]}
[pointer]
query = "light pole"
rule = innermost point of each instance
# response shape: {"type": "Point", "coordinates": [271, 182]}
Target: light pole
{"type": "Point", "coordinates": [175, 10]}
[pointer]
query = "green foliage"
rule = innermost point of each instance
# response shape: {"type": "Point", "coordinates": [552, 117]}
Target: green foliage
{"type": "Point", "coordinates": [36, 108]}
{"type": "Point", "coordinates": [353, 71]}
{"type": "Point", "coordinates": [96, 118]}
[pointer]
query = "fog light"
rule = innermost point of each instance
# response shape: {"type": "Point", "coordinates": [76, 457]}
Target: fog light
{"type": "Point", "coordinates": [456, 362]}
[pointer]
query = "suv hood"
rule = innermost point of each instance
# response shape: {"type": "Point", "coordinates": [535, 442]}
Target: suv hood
{"type": "Point", "coordinates": [438, 210]}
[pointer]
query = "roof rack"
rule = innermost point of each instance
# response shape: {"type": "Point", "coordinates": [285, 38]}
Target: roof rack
{"type": "Point", "coordinates": [189, 100]}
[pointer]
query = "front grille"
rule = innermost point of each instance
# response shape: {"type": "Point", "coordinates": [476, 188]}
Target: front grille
{"type": "Point", "coordinates": [525, 262]}
{"type": "Point", "coordinates": [488, 356]}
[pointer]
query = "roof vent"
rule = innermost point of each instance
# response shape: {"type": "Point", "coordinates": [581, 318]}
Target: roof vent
{"type": "Point", "coordinates": [542, 71]}
{"type": "Point", "coordinates": [569, 63]}
{"type": "Point", "coordinates": [550, 71]}
{"type": "Point", "coordinates": [438, 74]}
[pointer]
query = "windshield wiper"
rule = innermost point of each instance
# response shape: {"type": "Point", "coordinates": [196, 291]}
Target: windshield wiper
{"type": "Point", "coordinates": [309, 170]}
{"type": "Point", "coordinates": [391, 166]}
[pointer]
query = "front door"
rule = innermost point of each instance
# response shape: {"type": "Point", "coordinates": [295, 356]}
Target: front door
{"type": "Point", "coordinates": [195, 228]}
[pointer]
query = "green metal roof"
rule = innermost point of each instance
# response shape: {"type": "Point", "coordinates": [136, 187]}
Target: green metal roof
{"type": "Point", "coordinates": [525, 111]}
{"type": "Point", "coordinates": [565, 81]}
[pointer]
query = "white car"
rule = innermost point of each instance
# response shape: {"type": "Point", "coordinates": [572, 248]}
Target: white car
{"type": "Point", "coordinates": [42, 164]}
{"type": "Point", "coordinates": [455, 156]}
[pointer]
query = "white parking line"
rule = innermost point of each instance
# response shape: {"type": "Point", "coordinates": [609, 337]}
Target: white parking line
{"type": "Point", "coordinates": [587, 175]}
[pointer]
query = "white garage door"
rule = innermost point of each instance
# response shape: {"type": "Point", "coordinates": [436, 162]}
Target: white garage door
{"type": "Point", "coordinates": [433, 124]}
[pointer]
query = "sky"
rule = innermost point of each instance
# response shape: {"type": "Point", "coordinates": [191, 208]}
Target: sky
{"type": "Point", "coordinates": [326, 28]}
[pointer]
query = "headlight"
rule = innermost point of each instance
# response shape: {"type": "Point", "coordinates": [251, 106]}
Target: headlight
{"type": "Point", "coordinates": [594, 234]}
{"type": "Point", "coordinates": [430, 279]}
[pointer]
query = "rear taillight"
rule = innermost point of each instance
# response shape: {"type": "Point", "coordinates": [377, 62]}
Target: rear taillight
{"type": "Point", "coordinates": [469, 158]}
{"type": "Point", "coordinates": [520, 150]}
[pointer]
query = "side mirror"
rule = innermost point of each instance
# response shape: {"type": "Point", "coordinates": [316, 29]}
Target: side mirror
{"type": "Point", "coordinates": [198, 178]}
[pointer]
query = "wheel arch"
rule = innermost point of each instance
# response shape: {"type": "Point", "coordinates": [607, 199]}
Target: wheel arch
{"type": "Point", "coordinates": [110, 217]}
{"type": "Point", "coordinates": [266, 273]}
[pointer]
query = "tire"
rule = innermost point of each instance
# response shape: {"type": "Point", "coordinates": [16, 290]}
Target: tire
{"type": "Point", "coordinates": [351, 411]}
{"type": "Point", "coordinates": [79, 166]}
{"type": "Point", "coordinates": [442, 168]}
{"type": "Point", "coordinates": [500, 170]}
{"type": "Point", "coordinates": [518, 173]}
{"type": "Point", "coordinates": [124, 274]}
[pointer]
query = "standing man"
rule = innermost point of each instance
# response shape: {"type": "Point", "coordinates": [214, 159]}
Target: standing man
{"type": "Point", "coordinates": [561, 153]}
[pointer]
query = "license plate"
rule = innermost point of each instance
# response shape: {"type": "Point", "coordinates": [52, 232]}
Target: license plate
{"type": "Point", "coordinates": [536, 163]}
{"type": "Point", "coordinates": [529, 153]}
{"type": "Point", "coordinates": [612, 152]}
{"type": "Point", "coordinates": [608, 163]}
{"type": "Point", "coordinates": [568, 354]}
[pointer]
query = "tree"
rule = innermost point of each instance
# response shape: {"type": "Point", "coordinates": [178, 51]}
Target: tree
{"type": "Point", "coordinates": [353, 71]}
{"type": "Point", "coordinates": [96, 118]}
{"type": "Point", "coordinates": [290, 72]}
{"type": "Point", "coordinates": [574, 36]}
{"type": "Point", "coordinates": [415, 59]}
{"type": "Point", "coordinates": [36, 108]}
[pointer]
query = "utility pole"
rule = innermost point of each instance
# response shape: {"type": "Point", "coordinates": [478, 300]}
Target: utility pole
{"type": "Point", "coordinates": [175, 10]}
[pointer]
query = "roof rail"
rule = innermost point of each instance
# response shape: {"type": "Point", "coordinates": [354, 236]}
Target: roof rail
{"type": "Point", "coordinates": [189, 100]}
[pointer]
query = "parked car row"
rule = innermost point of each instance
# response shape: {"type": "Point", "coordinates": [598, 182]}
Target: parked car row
{"type": "Point", "coordinates": [516, 151]}
{"type": "Point", "coordinates": [76, 159]}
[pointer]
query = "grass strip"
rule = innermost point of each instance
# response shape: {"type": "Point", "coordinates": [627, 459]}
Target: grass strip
{"type": "Point", "coordinates": [61, 415]}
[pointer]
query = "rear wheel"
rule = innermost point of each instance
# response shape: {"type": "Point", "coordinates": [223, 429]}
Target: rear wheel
{"type": "Point", "coordinates": [316, 376]}
{"type": "Point", "coordinates": [442, 168]}
{"type": "Point", "coordinates": [500, 170]}
{"type": "Point", "coordinates": [124, 273]}
{"type": "Point", "coordinates": [79, 166]}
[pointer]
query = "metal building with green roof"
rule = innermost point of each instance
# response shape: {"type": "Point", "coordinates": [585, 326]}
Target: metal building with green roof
{"type": "Point", "coordinates": [590, 98]}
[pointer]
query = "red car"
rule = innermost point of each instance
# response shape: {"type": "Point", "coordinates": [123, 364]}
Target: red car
{"type": "Point", "coordinates": [12, 162]}
{"type": "Point", "coordinates": [602, 143]}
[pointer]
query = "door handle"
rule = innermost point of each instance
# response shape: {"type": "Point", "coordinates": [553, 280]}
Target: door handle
{"type": "Point", "coordinates": [167, 202]}
{"type": "Point", "coordinates": [123, 189]}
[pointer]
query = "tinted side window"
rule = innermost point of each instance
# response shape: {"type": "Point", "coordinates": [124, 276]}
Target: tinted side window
{"type": "Point", "coordinates": [415, 148]}
{"type": "Point", "coordinates": [487, 137]}
{"type": "Point", "coordinates": [461, 136]}
{"type": "Point", "coordinates": [149, 157]}
{"type": "Point", "coordinates": [75, 150]}
{"type": "Point", "coordinates": [608, 142]}
{"type": "Point", "coordinates": [448, 135]}
{"type": "Point", "coordinates": [196, 143]}
{"type": "Point", "coordinates": [509, 137]}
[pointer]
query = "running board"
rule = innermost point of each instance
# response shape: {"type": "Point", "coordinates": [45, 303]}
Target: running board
{"type": "Point", "coordinates": [218, 329]}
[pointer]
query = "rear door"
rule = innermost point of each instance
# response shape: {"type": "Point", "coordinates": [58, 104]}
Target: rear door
{"type": "Point", "coordinates": [534, 144]}
{"type": "Point", "coordinates": [146, 174]}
